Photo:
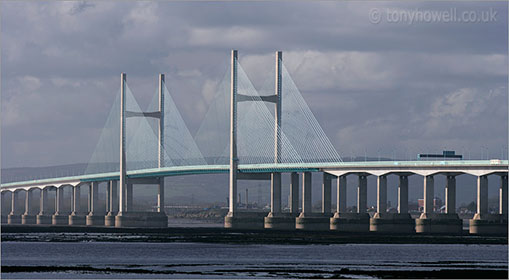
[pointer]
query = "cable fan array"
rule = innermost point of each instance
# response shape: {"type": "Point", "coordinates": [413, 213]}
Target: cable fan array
{"type": "Point", "coordinates": [301, 137]}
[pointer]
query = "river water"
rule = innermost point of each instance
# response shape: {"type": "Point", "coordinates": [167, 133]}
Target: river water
{"type": "Point", "coordinates": [111, 260]}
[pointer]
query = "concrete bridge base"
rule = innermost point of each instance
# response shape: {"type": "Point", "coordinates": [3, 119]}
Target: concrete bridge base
{"type": "Point", "coordinates": [95, 220]}
{"type": "Point", "coordinates": [350, 222]}
{"type": "Point", "coordinates": [14, 219]}
{"type": "Point", "coordinates": [392, 223]}
{"type": "Point", "coordinates": [43, 219]}
{"type": "Point", "coordinates": [28, 219]}
{"type": "Point", "coordinates": [313, 222]}
{"type": "Point", "coordinates": [489, 224]}
{"type": "Point", "coordinates": [140, 219]}
{"type": "Point", "coordinates": [77, 220]}
{"type": "Point", "coordinates": [285, 221]}
{"type": "Point", "coordinates": [109, 220]}
{"type": "Point", "coordinates": [245, 220]}
{"type": "Point", "coordinates": [60, 219]}
{"type": "Point", "coordinates": [439, 223]}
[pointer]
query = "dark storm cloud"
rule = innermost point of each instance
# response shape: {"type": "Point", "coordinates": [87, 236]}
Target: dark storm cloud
{"type": "Point", "coordinates": [385, 88]}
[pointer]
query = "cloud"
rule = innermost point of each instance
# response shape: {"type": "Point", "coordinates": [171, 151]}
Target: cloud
{"type": "Point", "coordinates": [371, 87]}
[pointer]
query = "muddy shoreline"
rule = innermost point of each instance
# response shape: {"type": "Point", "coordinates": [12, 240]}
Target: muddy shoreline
{"type": "Point", "coordinates": [38, 233]}
{"type": "Point", "coordinates": [279, 273]}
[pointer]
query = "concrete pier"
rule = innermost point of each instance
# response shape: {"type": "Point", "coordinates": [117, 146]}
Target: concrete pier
{"type": "Point", "coordinates": [43, 218]}
{"type": "Point", "coordinates": [60, 218]}
{"type": "Point", "coordinates": [307, 220]}
{"type": "Point", "coordinates": [28, 218]}
{"type": "Point", "coordinates": [485, 223]}
{"type": "Point", "coordinates": [276, 219]}
{"type": "Point", "coordinates": [77, 217]}
{"type": "Point", "coordinates": [14, 217]}
{"type": "Point", "coordinates": [400, 222]}
{"type": "Point", "coordinates": [351, 222]}
{"type": "Point", "coordinates": [431, 222]}
{"type": "Point", "coordinates": [94, 218]}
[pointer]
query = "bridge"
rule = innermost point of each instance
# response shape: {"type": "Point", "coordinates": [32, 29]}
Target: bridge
{"type": "Point", "coordinates": [259, 144]}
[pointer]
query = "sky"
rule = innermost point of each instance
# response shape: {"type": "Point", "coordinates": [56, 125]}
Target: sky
{"type": "Point", "coordinates": [376, 86]}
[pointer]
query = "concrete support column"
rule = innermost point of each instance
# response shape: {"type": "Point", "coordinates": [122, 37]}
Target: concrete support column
{"type": "Point", "coordinates": [108, 198]}
{"type": "Point", "coordinates": [111, 205]}
{"type": "Point", "coordinates": [129, 197]}
{"type": "Point", "coordinates": [59, 201]}
{"type": "Point", "coordinates": [60, 218]}
{"type": "Point", "coordinates": [112, 202]}
{"type": "Point", "coordinates": [307, 220]}
{"type": "Point", "coordinates": [383, 221]}
{"type": "Point", "coordinates": [483, 221]}
{"type": "Point", "coordinates": [71, 200]}
{"type": "Point", "coordinates": [77, 200]}
{"type": "Point", "coordinates": [28, 202]}
{"type": "Point", "coordinates": [94, 217]}
{"type": "Point", "coordinates": [94, 198]}
{"type": "Point", "coordinates": [14, 199]}
{"type": "Point", "coordinates": [381, 199]}
{"type": "Point", "coordinates": [14, 217]}
{"type": "Point", "coordinates": [429, 194]}
{"type": "Point", "coordinates": [3, 202]}
{"type": "Point", "coordinates": [403, 195]}
{"type": "Point", "coordinates": [450, 195]}
{"type": "Point", "coordinates": [482, 194]}
{"type": "Point", "coordinates": [362, 194]}
{"type": "Point", "coordinates": [503, 195]}
{"type": "Point", "coordinates": [275, 193]}
{"type": "Point", "coordinates": [160, 196]}
{"type": "Point", "coordinates": [341, 195]}
{"type": "Point", "coordinates": [43, 202]}
{"type": "Point", "coordinates": [294, 193]}
{"type": "Point", "coordinates": [89, 206]}
{"type": "Point", "coordinates": [306, 193]}
{"type": "Point", "coordinates": [351, 222]}
{"type": "Point", "coordinates": [43, 217]}
{"type": "Point", "coordinates": [326, 194]}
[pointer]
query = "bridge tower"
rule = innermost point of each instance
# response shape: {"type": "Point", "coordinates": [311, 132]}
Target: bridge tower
{"type": "Point", "coordinates": [236, 219]}
{"type": "Point", "coordinates": [126, 216]}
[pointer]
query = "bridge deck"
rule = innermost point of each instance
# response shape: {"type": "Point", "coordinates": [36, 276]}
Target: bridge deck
{"type": "Point", "coordinates": [337, 168]}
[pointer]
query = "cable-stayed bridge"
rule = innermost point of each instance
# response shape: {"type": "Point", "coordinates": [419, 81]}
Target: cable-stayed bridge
{"type": "Point", "coordinates": [251, 134]}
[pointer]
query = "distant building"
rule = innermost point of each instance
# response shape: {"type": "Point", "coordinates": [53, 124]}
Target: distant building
{"type": "Point", "coordinates": [437, 204]}
{"type": "Point", "coordinates": [445, 154]}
